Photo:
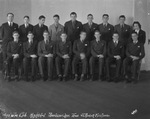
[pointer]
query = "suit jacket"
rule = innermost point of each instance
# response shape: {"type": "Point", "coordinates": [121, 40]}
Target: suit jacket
{"type": "Point", "coordinates": [124, 34]}
{"type": "Point", "coordinates": [81, 47]}
{"type": "Point", "coordinates": [38, 32]}
{"type": "Point", "coordinates": [73, 33]}
{"type": "Point", "coordinates": [6, 34]}
{"type": "Point", "coordinates": [141, 36]}
{"type": "Point", "coordinates": [116, 50]}
{"type": "Point", "coordinates": [64, 48]}
{"type": "Point", "coordinates": [55, 34]}
{"type": "Point", "coordinates": [135, 50]}
{"type": "Point", "coordinates": [106, 32]}
{"type": "Point", "coordinates": [90, 31]}
{"type": "Point", "coordinates": [29, 49]}
{"type": "Point", "coordinates": [44, 49]}
{"type": "Point", "coordinates": [98, 48]}
{"type": "Point", "coordinates": [24, 32]}
{"type": "Point", "coordinates": [14, 48]}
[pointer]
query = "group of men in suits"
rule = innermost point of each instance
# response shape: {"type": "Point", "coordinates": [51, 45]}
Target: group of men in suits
{"type": "Point", "coordinates": [74, 42]}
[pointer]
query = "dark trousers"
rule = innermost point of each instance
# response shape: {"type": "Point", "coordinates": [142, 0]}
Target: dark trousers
{"type": "Point", "coordinates": [75, 62]}
{"type": "Point", "coordinates": [15, 62]}
{"type": "Point", "coordinates": [111, 60]}
{"type": "Point", "coordinates": [30, 62]}
{"type": "Point", "coordinates": [4, 57]}
{"type": "Point", "coordinates": [46, 64]}
{"type": "Point", "coordinates": [134, 63]}
{"type": "Point", "coordinates": [92, 64]}
{"type": "Point", "coordinates": [59, 61]}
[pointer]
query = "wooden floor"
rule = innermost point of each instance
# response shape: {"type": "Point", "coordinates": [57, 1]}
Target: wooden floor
{"type": "Point", "coordinates": [114, 100]}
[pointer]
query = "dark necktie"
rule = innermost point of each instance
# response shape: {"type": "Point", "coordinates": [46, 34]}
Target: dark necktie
{"type": "Point", "coordinates": [41, 26]}
{"type": "Point", "coordinates": [115, 43]}
{"type": "Point", "coordinates": [56, 27]}
{"type": "Point", "coordinates": [26, 25]}
{"type": "Point", "coordinates": [47, 42]}
{"type": "Point", "coordinates": [134, 42]}
{"type": "Point", "coordinates": [105, 26]}
{"type": "Point", "coordinates": [122, 28]}
{"type": "Point", "coordinates": [73, 24]}
{"type": "Point", "coordinates": [30, 43]}
{"type": "Point", "coordinates": [90, 25]}
{"type": "Point", "coordinates": [10, 24]}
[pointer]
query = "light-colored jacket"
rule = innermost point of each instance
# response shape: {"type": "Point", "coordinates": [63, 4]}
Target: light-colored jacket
{"type": "Point", "coordinates": [55, 34]}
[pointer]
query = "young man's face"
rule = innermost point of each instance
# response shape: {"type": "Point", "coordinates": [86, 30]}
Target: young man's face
{"type": "Point", "coordinates": [10, 17]}
{"type": "Point", "coordinates": [115, 36]}
{"type": "Point", "coordinates": [97, 35]}
{"type": "Point", "coordinates": [134, 37]}
{"type": "Point", "coordinates": [16, 36]}
{"type": "Point", "coordinates": [105, 19]}
{"type": "Point", "coordinates": [30, 36]}
{"type": "Point", "coordinates": [90, 18]}
{"type": "Point", "coordinates": [122, 20]}
{"type": "Point", "coordinates": [56, 19]}
{"type": "Point", "coordinates": [73, 17]}
{"type": "Point", "coordinates": [83, 35]}
{"type": "Point", "coordinates": [46, 36]}
{"type": "Point", "coordinates": [26, 20]}
{"type": "Point", "coordinates": [42, 20]}
{"type": "Point", "coordinates": [63, 37]}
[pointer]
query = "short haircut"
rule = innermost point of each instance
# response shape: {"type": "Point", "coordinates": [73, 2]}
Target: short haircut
{"type": "Point", "coordinates": [10, 13]}
{"type": "Point", "coordinates": [115, 33]}
{"type": "Point", "coordinates": [41, 17]}
{"type": "Point", "coordinates": [45, 32]}
{"type": "Point", "coordinates": [134, 33]}
{"type": "Point", "coordinates": [105, 15]}
{"type": "Point", "coordinates": [26, 17]}
{"type": "Point", "coordinates": [15, 32]}
{"type": "Point", "coordinates": [56, 15]}
{"type": "Point", "coordinates": [122, 16]}
{"type": "Point", "coordinates": [97, 31]}
{"type": "Point", "coordinates": [63, 33]}
{"type": "Point", "coordinates": [73, 13]}
{"type": "Point", "coordinates": [82, 32]}
{"type": "Point", "coordinates": [138, 23]}
{"type": "Point", "coordinates": [90, 15]}
{"type": "Point", "coordinates": [30, 33]}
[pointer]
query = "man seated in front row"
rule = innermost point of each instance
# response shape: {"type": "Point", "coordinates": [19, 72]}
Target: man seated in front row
{"type": "Point", "coordinates": [46, 52]}
{"type": "Point", "coordinates": [64, 51]}
{"type": "Point", "coordinates": [30, 57]}
{"type": "Point", "coordinates": [115, 55]}
{"type": "Point", "coordinates": [98, 51]}
{"type": "Point", "coordinates": [134, 52]}
{"type": "Point", "coordinates": [14, 53]}
{"type": "Point", "coordinates": [81, 49]}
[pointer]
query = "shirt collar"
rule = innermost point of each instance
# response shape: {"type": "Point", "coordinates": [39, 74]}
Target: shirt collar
{"type": "Point", "coordinates": [10, 23]}
{"type": "Point", "coordinates": [135, 42]}
{"type": "Point", "coordinates": [105, 24]}
{"type": "Point", "coordinates": [26, 25]}
{"type": "Point", "coordinates": [97, 40]}
{"type": "Point", "coordinates": [115, 41]}
{"type": "Point", "coordinates": [81, 41]}
{"type": "Point", "coordinates": [137, 30]}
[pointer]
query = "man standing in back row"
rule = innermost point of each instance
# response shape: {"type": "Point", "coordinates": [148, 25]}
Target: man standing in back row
{"type": "Point", "coordinates": [7, 30]}
{"type": "Point", "coordinates": [90, 28]}
{"type": "Point", "coordinates": [39, 29]}
{"type": "Point", "coordinates": [56, 29]}
{"type": "Point", "coordinates": [24, 29]}
{"type": "Point", "coordinates": [123, 30]}
{"type": "Point", "coordinates": [73, 27]}
{"type": "Point", "coordinates": [106, 29]}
